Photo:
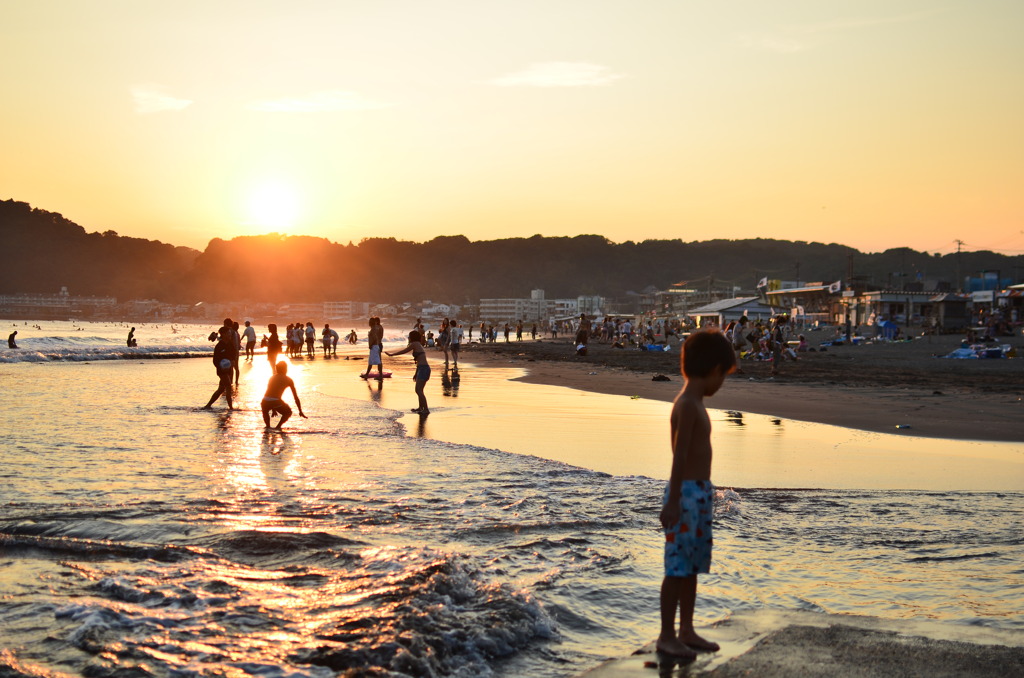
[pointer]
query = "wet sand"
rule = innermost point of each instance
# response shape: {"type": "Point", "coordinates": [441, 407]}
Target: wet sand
{"type": "Point", "coordinates": [770, 644]}
{"type": "Point", "coordinates": [888, 388]}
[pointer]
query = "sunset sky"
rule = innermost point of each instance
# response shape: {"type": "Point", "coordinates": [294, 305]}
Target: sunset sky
{"type": "Point", "coordinates": [875, 124]}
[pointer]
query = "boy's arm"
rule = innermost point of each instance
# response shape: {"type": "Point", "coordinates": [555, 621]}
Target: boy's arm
{"type": "Point", "coordinates": [683, 416]}
{"type": "Point", "coordinates": [298, 404]}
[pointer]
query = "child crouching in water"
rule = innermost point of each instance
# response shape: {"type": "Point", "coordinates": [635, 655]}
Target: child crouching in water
{"type": "Point", "coordinates": [686, 516]}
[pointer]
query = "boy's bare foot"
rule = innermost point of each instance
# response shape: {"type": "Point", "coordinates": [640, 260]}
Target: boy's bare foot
{"type": "Point", "coordinates": [674, 647]}
{"type": "Point", "coordinates": [692, 640]}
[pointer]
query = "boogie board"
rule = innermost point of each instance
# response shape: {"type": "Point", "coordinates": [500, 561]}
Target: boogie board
{"type": "Point", "coordinates": [374, 375]}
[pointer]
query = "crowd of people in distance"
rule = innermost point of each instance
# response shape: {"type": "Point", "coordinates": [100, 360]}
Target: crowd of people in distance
{"type": "Point", "coordinates": [764, 341]}
{"type": "Point", "coordinates": [300, 339]}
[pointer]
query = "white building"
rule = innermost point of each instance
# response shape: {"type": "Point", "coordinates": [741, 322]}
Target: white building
{"type": "Point", "coordinates": [346, 309]}
{"type": "Point", "coordinates": [591, 305]}
{"type": "Point", "coordinates": [534, 309]}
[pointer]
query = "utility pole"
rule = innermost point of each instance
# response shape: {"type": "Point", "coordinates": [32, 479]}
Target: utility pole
{"type": "Point", "coordinates": [959, 275]}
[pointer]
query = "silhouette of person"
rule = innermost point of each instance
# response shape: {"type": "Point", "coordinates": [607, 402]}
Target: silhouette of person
{"type": "Point", "coordinates": [10, 340]}
{"type": "Point", "coordinates": [223, 352]}
{"type": "Point", "coordinates": [132, 343]}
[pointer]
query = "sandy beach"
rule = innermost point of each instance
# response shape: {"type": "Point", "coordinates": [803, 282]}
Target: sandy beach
{"type": "Point", "coordinates": [889, 388]}
{"type": "Point", "coordinates": [772, 643]}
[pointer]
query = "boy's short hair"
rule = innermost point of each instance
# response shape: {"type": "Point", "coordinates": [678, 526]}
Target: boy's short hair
{"type": "Point", "coordinates": [704, 351]}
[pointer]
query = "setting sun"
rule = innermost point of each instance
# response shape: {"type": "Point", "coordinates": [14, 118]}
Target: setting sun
{"type": "Point", "coordinates": [273, 205]}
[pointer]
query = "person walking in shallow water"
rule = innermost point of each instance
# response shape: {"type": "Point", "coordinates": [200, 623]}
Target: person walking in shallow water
{"type": "Point", "coordinates": [224, 353]}
{"type": "Point", "coordinates": [422, 375]}
{"type": "Point", "coordinates": [10, 339]}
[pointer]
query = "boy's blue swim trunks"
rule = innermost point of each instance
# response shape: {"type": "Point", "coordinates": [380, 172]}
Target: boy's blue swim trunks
{"type": "Point", "coordinates": [688, 542]}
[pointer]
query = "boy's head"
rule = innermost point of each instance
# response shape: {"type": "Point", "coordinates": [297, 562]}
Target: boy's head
{"type": "Point", "coordinates": [706, 354]}
{"type": "Point", "coordinates": [282, 368]}
{"type": "Point", "coordinates": [415, 336]}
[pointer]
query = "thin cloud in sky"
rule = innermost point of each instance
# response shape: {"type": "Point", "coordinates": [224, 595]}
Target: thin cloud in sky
{"type": "Point", "coordinates": [559, 74]}
{"type": "Point", "coordinates": [318, 102]}
{"type": "Point", "coordinates": [153, 99]}
{"type": "Point", "coordinates": [866, 22]}
{"type": "Point", "coordinates": [797, 38]}
{"type": "Point", "coordinates": [772, 43]}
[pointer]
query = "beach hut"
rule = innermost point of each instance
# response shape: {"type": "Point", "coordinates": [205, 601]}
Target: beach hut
{"type": "Point", "coordinates": [949, 311]}
{"type": "Point", "coordinates": [722, 312]}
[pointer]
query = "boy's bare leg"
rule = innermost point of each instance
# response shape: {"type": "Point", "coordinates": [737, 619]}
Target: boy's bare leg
{"type": "Point", "coordinates": [687, 635]}
{"type": "Point", "coordinates": [284, 417]}
{"type": "Point", "coordinates": [672, 591]}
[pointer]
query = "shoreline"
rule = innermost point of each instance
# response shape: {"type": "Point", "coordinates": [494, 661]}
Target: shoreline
{"type": "Point", "coordinates": [901, 389]}
{"type": "Point", "coordinates": [773, 643]}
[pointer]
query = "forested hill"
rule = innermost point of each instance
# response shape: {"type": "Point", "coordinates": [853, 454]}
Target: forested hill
{"type": "Point", "coordinates": [41, 251]}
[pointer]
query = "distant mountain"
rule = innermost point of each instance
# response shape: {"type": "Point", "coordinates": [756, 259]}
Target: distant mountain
{"type": "Point", "coordinates": [42, 251]}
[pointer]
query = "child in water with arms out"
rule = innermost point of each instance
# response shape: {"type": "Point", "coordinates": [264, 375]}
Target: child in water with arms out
{"type": "Point", "coordinates": [422, 368]}
{"type": "Point", "coordinates": [686, 515]}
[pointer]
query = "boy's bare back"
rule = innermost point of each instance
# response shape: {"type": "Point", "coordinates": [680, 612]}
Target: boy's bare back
{"type": "Point", "coordinates": [277, 385]}
{"type": "Point", "coordinates": [691, 437]}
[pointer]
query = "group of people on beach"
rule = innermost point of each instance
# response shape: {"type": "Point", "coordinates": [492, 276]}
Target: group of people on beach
{"type": "Point", "coordinates": [226, 354]}
{"type": "Point", "coordinates": [301, 338]}
{"type": "Point", "coordinates": [228, 348]}
{"type": "Point", "coordinates": [687, 510]}
{"type": "Point", "coordinates": [764, 342]}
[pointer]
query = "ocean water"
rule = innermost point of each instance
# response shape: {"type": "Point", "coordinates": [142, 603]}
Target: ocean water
{"type": "Point", "coordinates": [143, 536]}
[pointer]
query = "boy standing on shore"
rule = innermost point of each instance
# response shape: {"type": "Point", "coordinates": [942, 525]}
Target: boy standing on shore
{"type": "Point", "coordinates": [686, 516]}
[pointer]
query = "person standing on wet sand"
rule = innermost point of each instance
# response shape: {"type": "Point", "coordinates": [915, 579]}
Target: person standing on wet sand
{"type": "Point", "coordinates": [444, 338]}
{"type": "Point", "coordinates": [250, 340]}
{"type": "Point", "coordinates": [374, 340]}
{"type": "Point", "coordinates": [310, 340]}
{"type": "Point", "coordinates": [273, 402]}
{"type": "Point", "coordinates": [687, 512]}
{"type": "Point", "coordinates": [273, 344]}
{"type": "Point", "coordinates": [456, 334]}
{"type": "Point", "coordinates": [422, 375]}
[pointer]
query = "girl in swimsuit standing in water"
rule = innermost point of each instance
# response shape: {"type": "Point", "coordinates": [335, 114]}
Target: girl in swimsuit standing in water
{"type": "Point", "coordinates": [422, 368]}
